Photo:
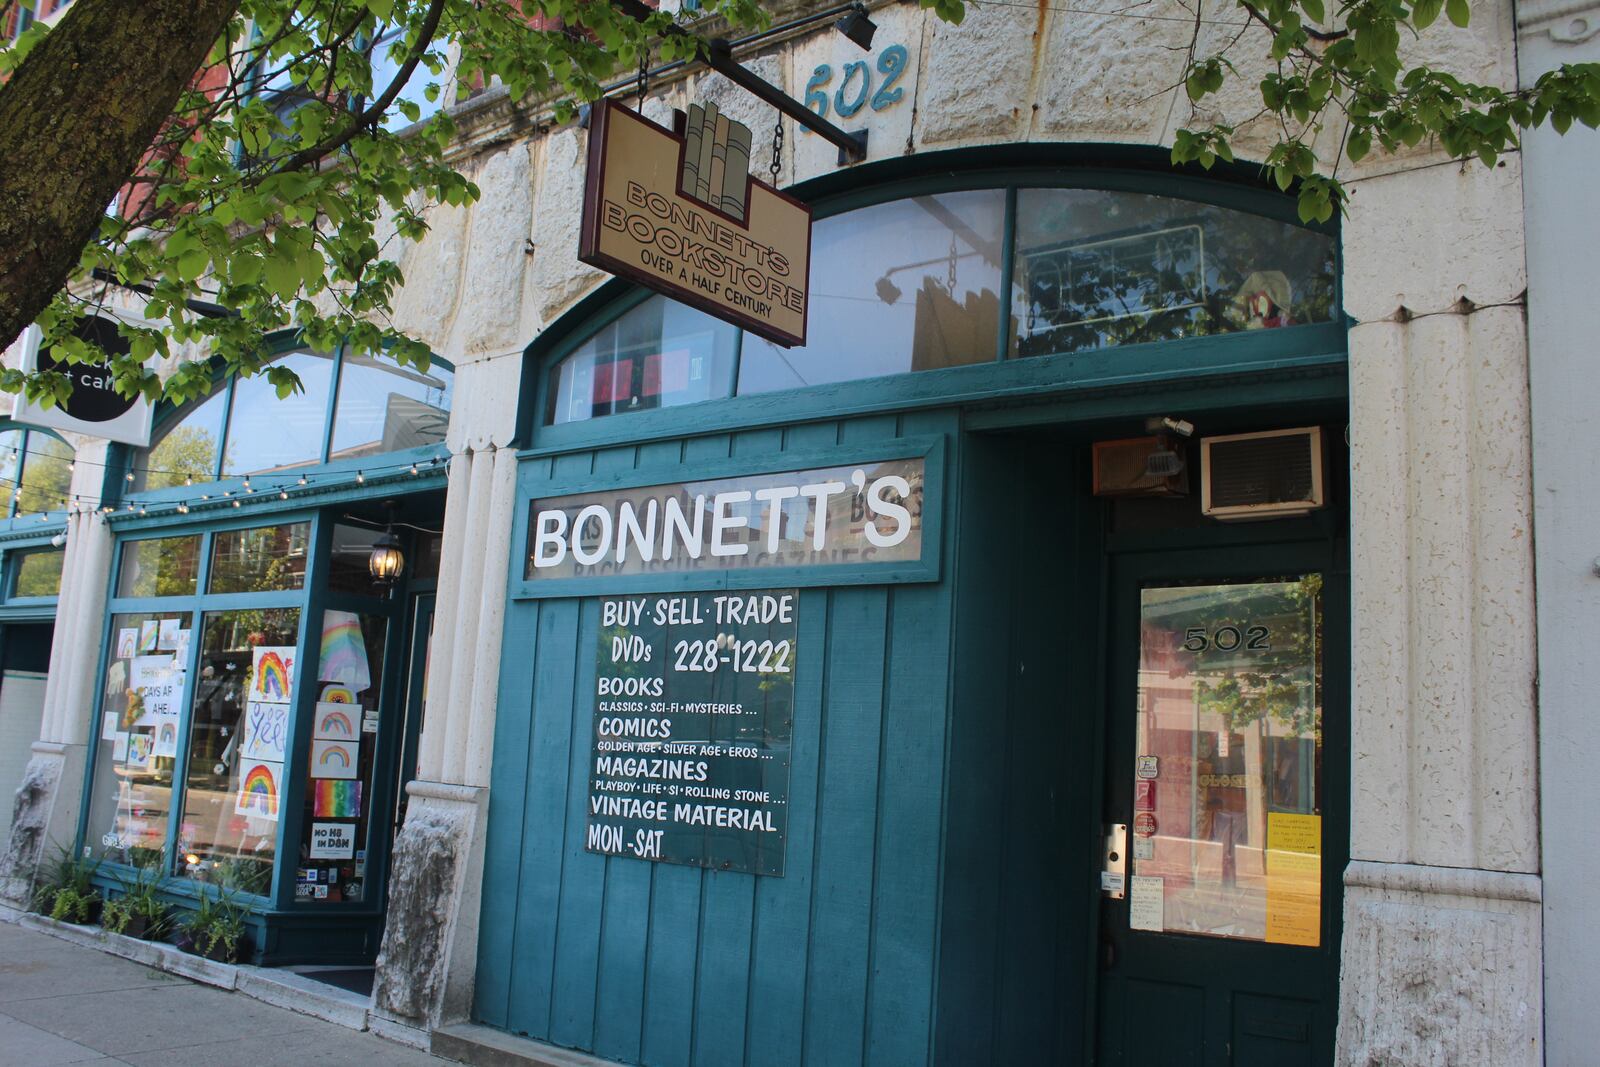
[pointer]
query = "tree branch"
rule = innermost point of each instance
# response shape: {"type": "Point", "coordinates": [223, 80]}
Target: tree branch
{"type": "Point", "coordinates": [375, 110]}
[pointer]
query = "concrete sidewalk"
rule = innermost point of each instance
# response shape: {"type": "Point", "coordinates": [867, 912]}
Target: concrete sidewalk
{"type": "Point", "coordinates": [64, 1003]}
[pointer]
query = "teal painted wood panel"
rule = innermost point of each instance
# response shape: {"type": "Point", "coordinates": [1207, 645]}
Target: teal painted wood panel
{"type": "Point", "coordinates": [538, 887]}
{"type": "Point", "coordinates": [775, 1012]}
{"type": "Point", "coordinates": [670, 965]}
{"type": "Point", "coordinates": [572, 1008]}
{"type": "Point", "coordinates": [847, 808]}
{"type": "Point", "coordinates": [508, 797]}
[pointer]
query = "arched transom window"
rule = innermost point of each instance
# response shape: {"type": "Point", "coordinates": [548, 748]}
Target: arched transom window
{"type": "Point", "coordinates": [950, 279]}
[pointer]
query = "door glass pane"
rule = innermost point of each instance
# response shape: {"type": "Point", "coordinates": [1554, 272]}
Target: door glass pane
{"type": "Point", "coordinates": [343, 742]}
{"type": "Point", "coordinates": [10, 468]}
{"type": "Point", "coordinates": [136, 736]}
{"type": "Point", "coordinates": [242, 703]}
{"type": "Point", "coordinates": [160, 566]}
{"type": "Point", "coordinates": [1226, 826]}
{"type": "Point", "coordinates": [260, 559]}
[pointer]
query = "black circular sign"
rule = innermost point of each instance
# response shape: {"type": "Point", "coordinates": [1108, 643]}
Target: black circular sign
{"type": "Point", "coordinates": [94, 398]}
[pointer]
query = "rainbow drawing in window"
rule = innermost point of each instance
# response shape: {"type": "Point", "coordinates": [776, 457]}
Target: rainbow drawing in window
{"type": "Point", "coordinates": [334, 759]}
{"type": "Point", "coordinates": [272, 674]}
{"type": "Point", "coordinates": [334, 722]}
{"type": "Point", "coordinates": [258, 789]}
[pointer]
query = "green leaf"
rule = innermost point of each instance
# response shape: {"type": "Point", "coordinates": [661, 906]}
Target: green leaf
{"type": "Point", "coordinates": [1423, 12]}
{"type": "Point", "coordinates": [1358, 145]}
{"type": "Point", "coordinates": [1458, 12]}
{"type": "Point", "coordinates": [1313, 10]}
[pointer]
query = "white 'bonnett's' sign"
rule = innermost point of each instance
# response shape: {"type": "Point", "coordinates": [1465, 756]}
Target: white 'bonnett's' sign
{"type": "Point", "coordinates": [865, 513]}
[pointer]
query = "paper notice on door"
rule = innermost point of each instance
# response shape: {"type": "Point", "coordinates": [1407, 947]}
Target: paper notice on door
{"type": "Point", "coordinates": [1294, 878]}
{"type": "Point", "coordinates": [1146, 903]}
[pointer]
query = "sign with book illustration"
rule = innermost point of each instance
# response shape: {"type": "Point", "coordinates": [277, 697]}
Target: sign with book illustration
{"type": "Point", "coordinates": [679, 212]}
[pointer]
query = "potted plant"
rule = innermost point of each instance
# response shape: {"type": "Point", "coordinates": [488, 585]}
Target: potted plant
{"type": "Point", "coordinates": [67, 892]}
{"type": "Point", "coordinates": [216, 929]}
{"type": "Point", "coordinates": [139, 911]}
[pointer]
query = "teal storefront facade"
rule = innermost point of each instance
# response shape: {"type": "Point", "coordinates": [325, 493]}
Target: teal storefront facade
{"type": "Point", "coordinates": [963, 729]}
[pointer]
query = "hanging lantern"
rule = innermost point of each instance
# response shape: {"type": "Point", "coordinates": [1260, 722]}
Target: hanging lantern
{"type": "Point", "coordinates": [387, 561]}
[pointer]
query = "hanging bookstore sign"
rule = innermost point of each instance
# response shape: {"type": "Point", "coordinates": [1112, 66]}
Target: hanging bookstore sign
{"type": "Point", "coordinates": [678, 212]}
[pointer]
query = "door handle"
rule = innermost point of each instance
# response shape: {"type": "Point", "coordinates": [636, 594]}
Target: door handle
{"type": "Point", "coordinates": [1114, 860]}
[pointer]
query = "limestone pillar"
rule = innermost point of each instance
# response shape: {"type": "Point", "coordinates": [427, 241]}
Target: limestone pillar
{"type": "Point", "coordinates": [1441, 947]}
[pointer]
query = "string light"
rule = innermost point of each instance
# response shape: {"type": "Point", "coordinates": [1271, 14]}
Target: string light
{"type": "Point", "coordinates": [82, 504]}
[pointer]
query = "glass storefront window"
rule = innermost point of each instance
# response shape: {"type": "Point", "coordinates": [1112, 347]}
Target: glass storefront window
{"type": "Point", "coordinates": [259, 559]}
{"type": "Point", "coordinates": [1226, 827]}
{"type": "Point", "coordinates": [160, 566]}
{"type": "Point", "coordinates": [909, 285]}
{"type": "Point", "coordinates": [243, 698]}
{"type": "Point", "coordinates": [10, 468]}
{"type": "Point", "coordinates": [384, 407]}
{"type": "Point", "coordinates": [46, 474]}
{"type": "Point", "coordinates": [339, 759]}
{"type": "Point", "coordinates": [655, 355]}
{"type": "Point", "coordinates": [137, 735]}
{"type": "Point", "coordinates": [185, 449]}
{"type": "Point", "coordinates": [38, 573]}
{"type": "Point", "coordinates": [1095, 268]}
{"type": "Point", "coordinates": [35, 472]}
{"type": "Point", "coordinates": [269, 434]}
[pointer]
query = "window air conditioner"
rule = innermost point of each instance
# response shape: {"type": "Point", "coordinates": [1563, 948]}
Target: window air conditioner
{"type": "Point", "coordinates": [1271, 475]}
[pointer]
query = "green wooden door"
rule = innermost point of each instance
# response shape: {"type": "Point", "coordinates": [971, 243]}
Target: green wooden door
{"type": "Point", "coordinates": [1225, 793]}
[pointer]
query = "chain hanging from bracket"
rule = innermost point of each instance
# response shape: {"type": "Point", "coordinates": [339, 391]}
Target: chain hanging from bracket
{"type": "Point", "coordinates": [950, 284]}
{"type": "Point", "coordinates": [777, 151]}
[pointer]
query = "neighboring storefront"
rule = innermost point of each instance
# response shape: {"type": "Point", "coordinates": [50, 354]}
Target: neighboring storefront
{"type": "Point", "coordinates": [35, 478]}
{"type": "Point", "coordinates": [260, 674]}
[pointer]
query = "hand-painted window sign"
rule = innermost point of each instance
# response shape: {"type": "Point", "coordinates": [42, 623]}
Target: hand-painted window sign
{"type": "Point", "coordinates": [693, 717]}
{"type": "Point", "coordinates": [866, 513]}
{"type": "Point", "coordinates": [679, 212]}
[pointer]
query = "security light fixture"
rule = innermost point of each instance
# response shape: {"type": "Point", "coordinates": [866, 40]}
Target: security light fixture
{"type": "Point", "coordinates": [387, 561]}
{"type": "Point", "coordinates": [858, 27]}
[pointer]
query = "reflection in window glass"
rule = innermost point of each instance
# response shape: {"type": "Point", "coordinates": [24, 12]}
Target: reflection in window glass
{"type": "Point", "coordinates": [46, 474]}
{"type": "Point", "coordinates": [10, 468]}
{"type": "Point", "coordinates": [137, 736]}
{"type": "Point", "coordinates": [268, 434]}
{"type": "Point", "coordinates": [1227, 801]}
{"type": "Point", "coordinates": [384, 407]}
{"type": "Point", "coordinates": [1096, 268]}
{"type": "Point", "coordinates": [905, 286]}
{"type": "Point", "coordinates": [332, 863]}
{"type": "Point", "coordinates": [242, 701]}
{"type": "Point", "coordinates": [39, 573]}
{"type": "Point", "coordinates": [259, 559]}
{"type": "Point", "coordinates": [162, 566]}
{"type": "Point", "coordinates": [185, 449]}
{"type": "Point", "coordinates": [656, 354]}
{"type": "Point", "coordinates": [347, 566]}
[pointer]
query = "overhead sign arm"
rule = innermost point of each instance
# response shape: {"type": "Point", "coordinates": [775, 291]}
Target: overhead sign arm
{"type": "Point", "coordinates": [719, 57]}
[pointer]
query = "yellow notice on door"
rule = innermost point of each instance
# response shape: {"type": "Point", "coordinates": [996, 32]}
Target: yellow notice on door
{"type": "Point", "coordinates": [1294, 878]}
